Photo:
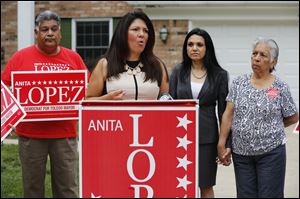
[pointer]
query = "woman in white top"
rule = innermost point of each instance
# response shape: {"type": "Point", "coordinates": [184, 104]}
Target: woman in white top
{"type": "Point", "coordinates": [129, 69]}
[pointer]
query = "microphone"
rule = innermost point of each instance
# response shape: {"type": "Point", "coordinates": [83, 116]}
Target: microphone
{"type": "Point", "coordinates": [165, 97]}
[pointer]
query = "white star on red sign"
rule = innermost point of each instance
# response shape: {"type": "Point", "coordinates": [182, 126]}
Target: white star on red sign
{"type": "Point", "coordinates": [183, 162]}
{"type": "Point", "coordinates": [183, 121]}
{"type": "Point", "coordinates": [93, 196]}
{"type": "Point", "coordinates": [183, 182]}
{"type": "Point", "coordinates": [182, 197]}
{"type": "Point", "coordinates": [183, 142]}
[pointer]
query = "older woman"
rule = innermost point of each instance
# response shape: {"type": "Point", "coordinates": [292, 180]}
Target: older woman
{"type": "Point", "coordinates": [259, 106]}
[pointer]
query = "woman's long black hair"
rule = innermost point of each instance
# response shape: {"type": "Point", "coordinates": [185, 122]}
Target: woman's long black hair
{"type": "Point", "coordinates": [210, 61]}
{"type": "Point", "coordinates": [118, 52]}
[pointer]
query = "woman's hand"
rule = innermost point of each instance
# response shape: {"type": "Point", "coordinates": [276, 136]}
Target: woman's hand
{"type": "Point", "coordinates": [116, 95]}
{"type": "Point", "coordinates": [224, 156]}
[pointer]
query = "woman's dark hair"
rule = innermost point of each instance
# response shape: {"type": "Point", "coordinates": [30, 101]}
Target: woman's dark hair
{"type": "Point", "coordinates": [118, 51]}
{"type": "Point", "coordinates": [210, 61]}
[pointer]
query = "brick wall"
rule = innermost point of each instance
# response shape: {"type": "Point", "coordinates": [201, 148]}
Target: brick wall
{"type": "Point", "coordinates": [84, 8]}
{"type": "Point", "coordinates": [9, 40]}
{"type": "Point", "coordinates": [170, 52]}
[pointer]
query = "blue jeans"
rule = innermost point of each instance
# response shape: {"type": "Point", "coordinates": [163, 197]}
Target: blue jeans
{"type": "Point", "coordinates": [260, 176]}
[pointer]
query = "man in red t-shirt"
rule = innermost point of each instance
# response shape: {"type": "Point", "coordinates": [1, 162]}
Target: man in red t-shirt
{"type": "Point", "coordinates": [56, 139]}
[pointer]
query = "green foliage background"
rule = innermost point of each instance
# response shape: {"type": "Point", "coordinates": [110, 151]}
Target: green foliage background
{"type": "Point", "coordinates": [11, 175]}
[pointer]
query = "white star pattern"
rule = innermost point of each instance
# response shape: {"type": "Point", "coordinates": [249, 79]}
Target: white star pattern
{"type": "Point", "coordinates": [182, 197]}
{"type": "Point", "coordinates": [183, 121]}
{"type": "Point", "coordinates": [183, 162]}
{"type": "Point", "coordinates": [183, 142]}
{"type": "Point", "coordinates": [93, 196]}
{"type": "Point", "coordinates": [55, 82]}
{"type": "Point", "coordinates": [183, 182]}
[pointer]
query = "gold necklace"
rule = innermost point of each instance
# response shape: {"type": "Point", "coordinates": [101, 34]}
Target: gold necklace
{"type": "Point", "coordinates": [135, 70]}
{"type": "Point", "coordinates": [197, 76]}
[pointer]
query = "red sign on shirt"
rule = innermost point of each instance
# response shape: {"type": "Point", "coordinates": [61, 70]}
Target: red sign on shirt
{"type": "Point", "coordinates": [11, 112]}
{"type": "Point", "coordinates": [296, 130]}
{"type": "Point", "coordinates": [50, 95]}
{"type": "Point", "coordinates": [138, 149]}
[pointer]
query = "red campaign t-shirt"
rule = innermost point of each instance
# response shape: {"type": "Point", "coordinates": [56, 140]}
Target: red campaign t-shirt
{"type": "Point", "coordinates": [31, 59]}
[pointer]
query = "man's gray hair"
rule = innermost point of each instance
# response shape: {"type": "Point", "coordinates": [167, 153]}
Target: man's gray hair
{"type": "Point", "coordinates": [46, 15]}
{"type": "Point", "coordinates": [271, 43]}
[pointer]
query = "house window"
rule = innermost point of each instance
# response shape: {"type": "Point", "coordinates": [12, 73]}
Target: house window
{"type": "Point", "coordinates": [92, 39]}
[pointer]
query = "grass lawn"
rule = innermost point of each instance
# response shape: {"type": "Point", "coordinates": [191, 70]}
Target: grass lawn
{"type": "Point", "coordinates": [11, 176]}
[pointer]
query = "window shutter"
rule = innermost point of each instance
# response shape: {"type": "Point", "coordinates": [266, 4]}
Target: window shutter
{"type": "Point", "coordinates": [66, 40]}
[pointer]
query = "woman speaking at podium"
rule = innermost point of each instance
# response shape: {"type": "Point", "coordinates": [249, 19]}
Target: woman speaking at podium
{"type": "Point", "coordinates": [129, 70]}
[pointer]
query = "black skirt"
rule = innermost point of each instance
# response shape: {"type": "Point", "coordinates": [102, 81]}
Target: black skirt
{"type": "Point", "coordinates": [207, 165]}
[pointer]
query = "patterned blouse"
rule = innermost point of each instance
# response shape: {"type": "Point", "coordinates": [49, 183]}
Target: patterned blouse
{"type": "Point", "coordinates": [257, 125]}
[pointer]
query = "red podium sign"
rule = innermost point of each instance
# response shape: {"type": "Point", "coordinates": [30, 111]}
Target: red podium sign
{"type": "Point", "coordinates": [11, 112]}
{"type": "Point", "coordinates": [138, 149]}
{"type": "Point", "coordinates": [50, 95]}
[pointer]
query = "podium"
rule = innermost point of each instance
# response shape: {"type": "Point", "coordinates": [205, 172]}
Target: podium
{"type": "Point", "coordinates": [138, 149]}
